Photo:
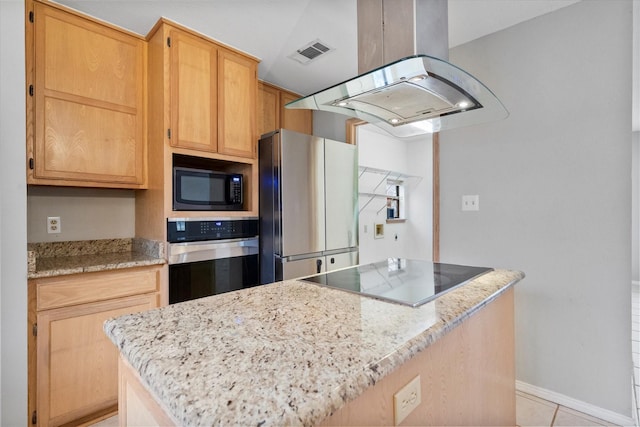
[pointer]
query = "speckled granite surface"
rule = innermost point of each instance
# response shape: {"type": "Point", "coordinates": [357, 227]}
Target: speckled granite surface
{"type": "Point", "coordinates": [285, 353]}
{"type": "Point", "coordinates": [50, 259]}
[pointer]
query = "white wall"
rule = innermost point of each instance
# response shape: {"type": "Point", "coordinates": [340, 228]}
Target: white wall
{"type": "Point", "coordinates": [13, 214]}
{"type": "Point", "coordinates": [635, 212]}
{"type": "Point", "coordinates": [410, 239]}
{"type": "Point", "coordinates": [554, 181]}
{"type": "Point", "coordinates": [412, 156]}
{"type": "Point", "coordinates": [85, 213]}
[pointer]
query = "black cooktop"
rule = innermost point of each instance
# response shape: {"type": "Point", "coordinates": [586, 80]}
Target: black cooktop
{"type": "Point", "coordinates": [405, 281]}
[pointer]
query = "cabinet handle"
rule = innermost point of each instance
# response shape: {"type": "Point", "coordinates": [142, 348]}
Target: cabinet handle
{"type": "Point", "coordinates": [31, 163]}
{"type": "Point", "coordinates": [30, 90]}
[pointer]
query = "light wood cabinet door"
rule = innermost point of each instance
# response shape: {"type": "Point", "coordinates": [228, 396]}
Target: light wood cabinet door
{"type": "Point", "coordinates": [238, 89]}
{"type": "Point", "coordinates": [296, 120]}
{"type": "Point", "coordinates": [72, 363]}
{"type": "Point", "coordinates": [88, 110]}
{"type": "Point", "coordinates": [269, 108]}
{"type": "Point", "coordinates": [273, 114]}
{"type": "Point", "coordinates": [194, 92]}
{"type": "Point", "coordinates": [77, 363]}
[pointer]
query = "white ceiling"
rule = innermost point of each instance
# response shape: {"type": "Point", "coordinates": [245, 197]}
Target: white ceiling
{"type": "Point", "coordinates": [273, 29]}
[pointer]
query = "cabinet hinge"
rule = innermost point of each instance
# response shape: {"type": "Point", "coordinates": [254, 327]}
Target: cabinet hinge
{"type": "Point", "coordinates": [169, 133]}
{"type": "Point", "coordinates": [34, 417]}
{"type": "Point", "coordinates": [169, 41]}
{"type": "Point", "coordinates": [30, 90]}
{"type": "Point", "coordinates": [34, 330]}
{"type": "Point", "coordinates": [31, 16]}
{"type": "Point", "coordinates": [31, 163]}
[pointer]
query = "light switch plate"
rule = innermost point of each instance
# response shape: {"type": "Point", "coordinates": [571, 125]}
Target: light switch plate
{"type": "Point", "coordinates": [406, 400]}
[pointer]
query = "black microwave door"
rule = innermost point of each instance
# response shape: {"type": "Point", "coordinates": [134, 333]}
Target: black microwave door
{"type": "Point", "coordinates": [196, 190]}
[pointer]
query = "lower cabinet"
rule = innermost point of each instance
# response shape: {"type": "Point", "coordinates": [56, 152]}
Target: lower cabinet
{"type": "Point", "coordinates": [73, 369]}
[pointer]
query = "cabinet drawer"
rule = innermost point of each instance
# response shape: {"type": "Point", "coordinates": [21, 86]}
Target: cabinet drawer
{"type": "Point", "coordinates": [89, 287]}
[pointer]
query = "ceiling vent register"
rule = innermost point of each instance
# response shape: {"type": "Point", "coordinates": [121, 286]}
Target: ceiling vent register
{"type": "Point", "coordinates": [311, 52]}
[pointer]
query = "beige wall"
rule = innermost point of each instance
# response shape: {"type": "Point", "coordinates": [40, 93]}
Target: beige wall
{"type": "Point", "coordinates": [85, 213]}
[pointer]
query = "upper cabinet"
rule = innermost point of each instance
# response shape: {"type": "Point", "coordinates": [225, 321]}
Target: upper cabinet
{"type": "Point", "coordinates": [273, 115]}
{"type": "Point", "coordinates": [212, 98]}
{"type": "Point", "coordinates": [269, 108]}
{"type": "Point", "coordinates": [202, 104]}
{"type": "Point", "coordinates": [194, 92]}
{"type": "Point", "coordinates": [86, 112]}
{"type": "Point", "coordinates": [297, 120]}
{"type": "Point", "coordinates": [238, 90]}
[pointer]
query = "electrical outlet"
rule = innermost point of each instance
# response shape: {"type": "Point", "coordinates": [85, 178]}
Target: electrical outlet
{"type": "Point", "coordinates": [54, 225]}
{"type": "Point", "coordinates": [471, 203]}
{"type": "Point", "coordinates": [406, 400]}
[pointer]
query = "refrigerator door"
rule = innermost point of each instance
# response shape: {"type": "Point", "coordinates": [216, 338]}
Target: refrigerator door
{"type": "Point", "coordinates": [303, 267]}
{"type": "Point", "coordinates": [342, 260]}
{"type": "Point", "coordinates": [341, 188]}
{"type": "Point", "coordinates": [269, 215]}
{"type": "Point", "coordinates": [300, 161]}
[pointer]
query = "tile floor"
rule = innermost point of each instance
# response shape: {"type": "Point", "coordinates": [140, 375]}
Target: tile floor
{"type": "Point", "coordinates": [533, 411]}
{"type": "Point", "coordinates": [108, 422]}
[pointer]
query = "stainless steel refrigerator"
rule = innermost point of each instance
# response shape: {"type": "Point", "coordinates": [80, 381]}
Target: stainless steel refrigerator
{"type": "Point", "coordinates": [308, 205]}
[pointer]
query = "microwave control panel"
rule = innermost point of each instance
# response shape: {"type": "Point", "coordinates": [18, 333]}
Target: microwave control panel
{"type": "Point", "coordinates": [235, 190]}
{"type": "Point", "coordinates": [195, 230]}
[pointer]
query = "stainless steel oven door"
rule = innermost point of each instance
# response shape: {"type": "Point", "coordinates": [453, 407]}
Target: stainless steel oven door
{"type": "Point", "coordinates": [200, 269]}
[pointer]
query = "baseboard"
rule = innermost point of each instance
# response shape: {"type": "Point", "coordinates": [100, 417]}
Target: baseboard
{"type": "Point", "coordinates": [578, 405]}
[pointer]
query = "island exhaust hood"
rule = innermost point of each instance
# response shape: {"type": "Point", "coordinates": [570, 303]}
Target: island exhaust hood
{"type": "Point", "coordinates": [413, 94]}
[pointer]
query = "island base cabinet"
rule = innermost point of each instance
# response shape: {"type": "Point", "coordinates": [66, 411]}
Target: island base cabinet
{"type": "Point", "coordinates": [467, 377]}
{"type": "Point", "coordinates": [136, 405]}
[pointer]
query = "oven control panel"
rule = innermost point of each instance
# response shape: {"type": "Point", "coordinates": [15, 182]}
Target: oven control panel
{"type": "Point", "coordinates": [195, 230]}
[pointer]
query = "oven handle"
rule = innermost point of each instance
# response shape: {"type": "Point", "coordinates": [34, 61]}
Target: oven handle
{"type": "Point", "coordinates": [180, 253]}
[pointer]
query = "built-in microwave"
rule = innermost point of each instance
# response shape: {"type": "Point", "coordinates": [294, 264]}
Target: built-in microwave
{"type": "Point", "coordinates": [206, 190]}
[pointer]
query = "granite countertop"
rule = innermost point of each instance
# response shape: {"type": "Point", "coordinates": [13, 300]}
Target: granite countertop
{"type": "Point", "coordinates": [50, 259]}
{"type": "Point", "coordinates": [285, 353]}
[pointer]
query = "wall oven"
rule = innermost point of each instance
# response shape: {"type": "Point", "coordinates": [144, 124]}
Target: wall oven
{"type": "Point", "coordinates": [211, 256]}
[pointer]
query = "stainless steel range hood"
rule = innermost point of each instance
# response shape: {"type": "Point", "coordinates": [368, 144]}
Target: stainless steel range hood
{"type": "Point", "coordinates": [416, 94]}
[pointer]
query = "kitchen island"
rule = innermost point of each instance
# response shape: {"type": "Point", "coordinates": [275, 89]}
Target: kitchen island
{"type": "Point", "coordinates": [296, 353]}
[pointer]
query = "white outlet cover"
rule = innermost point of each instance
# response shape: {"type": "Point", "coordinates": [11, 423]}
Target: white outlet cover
{"type": "Point", "coordinates": [406, 400]}
{"type": "Point", "coordinates": [54, 225]}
